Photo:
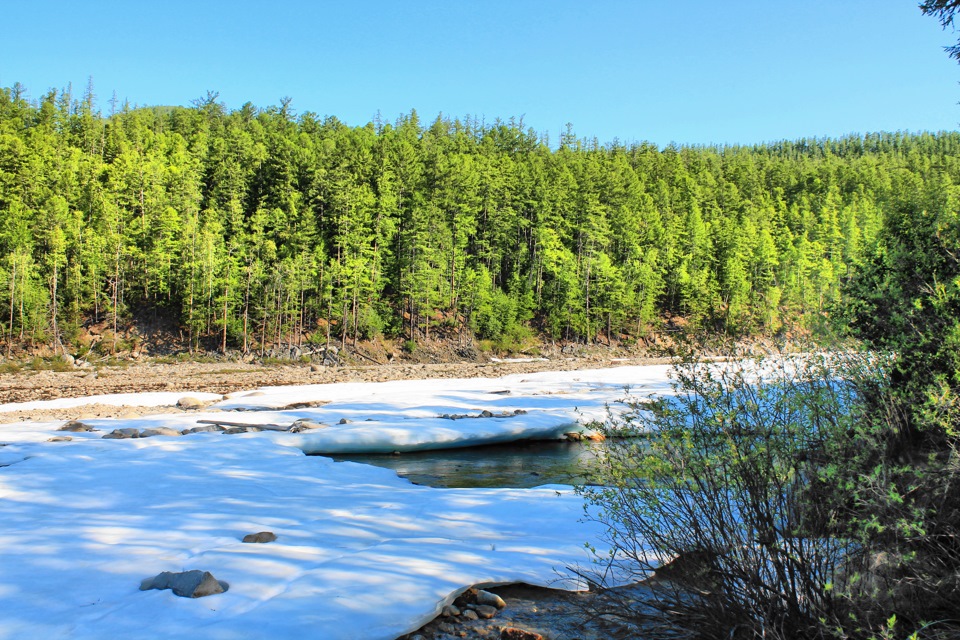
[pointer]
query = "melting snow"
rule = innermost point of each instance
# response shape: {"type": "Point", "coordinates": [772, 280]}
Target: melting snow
{"type": "Point", "coordinates": [360, 552]}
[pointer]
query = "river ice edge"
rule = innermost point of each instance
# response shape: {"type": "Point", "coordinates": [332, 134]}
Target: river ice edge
{"type": "Point", "coordinates": [360, 553]}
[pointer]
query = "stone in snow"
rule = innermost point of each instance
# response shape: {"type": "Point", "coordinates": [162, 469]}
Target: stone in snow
{"type": "Point", "coordinates": [76, 426]}
{"type": "Point", "coordinates": [186, 584]}
{"type": "Point", "coordinates": [261, 537]}
{"type": "Point", "coordinates": [190, 403]}
{"type": "Point", "coordinates": [122, 434]}
{"type": "Point", "coordinates": [159, 431]}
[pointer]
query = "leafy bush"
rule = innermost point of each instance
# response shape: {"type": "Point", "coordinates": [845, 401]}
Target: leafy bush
{"type": "Point", "coordinates": [733, 495]}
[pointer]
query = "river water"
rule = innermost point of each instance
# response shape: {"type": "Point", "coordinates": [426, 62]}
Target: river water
{"type": "Point", "coordinates": [515, 465]}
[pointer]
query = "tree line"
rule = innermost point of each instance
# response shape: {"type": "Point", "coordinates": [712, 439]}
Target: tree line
{"type": "Point", "coordinates": [258, 227]}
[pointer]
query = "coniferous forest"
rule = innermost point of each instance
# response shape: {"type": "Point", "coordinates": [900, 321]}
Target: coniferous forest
{"type": "Point", "coordinates": [260, 227]}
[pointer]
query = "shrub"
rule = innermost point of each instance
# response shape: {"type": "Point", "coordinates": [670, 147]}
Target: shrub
{"type": "Point", "coordinates": [718, 495]}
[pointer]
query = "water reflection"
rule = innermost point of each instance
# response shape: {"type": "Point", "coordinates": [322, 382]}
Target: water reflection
{"type": "Point", "coordinates": [516, 465]}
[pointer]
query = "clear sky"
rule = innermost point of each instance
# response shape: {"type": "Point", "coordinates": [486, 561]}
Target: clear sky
{"type": "Point", "coordinates": [691, 72]}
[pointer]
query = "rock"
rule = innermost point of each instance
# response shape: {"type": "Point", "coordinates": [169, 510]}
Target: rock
{"type": "Point", "coordinates": [486, 414]}
{"type": "Point", "coordinates": [595, 436]}
{"type": "Point", "coordinates": [512, 633]}
{"type": "Point", "coordinates": [450, 610]}
{"type": "Point", "coordinates": [470, 614]}
{"type": "Point", "coordinates": [189, 403]}
{"type": "Point", "coordinates": [186, 584]}
{"type": "Point", "coordinates": [574, 436]}
{"type": "Point", "coordinates": [262, 537]}
{"type": "Point", "coordinates": [76, 426]}
{"type": "Point", "coordinates": [485, 611]}
{"type": "Point", "coordinates": [519, 412]}
{"type": "Point", "coordinates": [122, 434]}
{"type": "Point", "coordinates": [69, 359]}
{"type": "Point", "coordinates": [91, 376]}
{"type": "Point", "coordinates": [345, 421]}
{"type": "Point", "coordinates": [306, 425]}
{"type": "Point", "coordinates": [130, 415]}
{"type": "Point", "coordinates": [207, 428]}
{"type": "Point", "coordinates": [315, 368]}
{"type": "Point", "coordinates": [490, 599]}
{"type": "Point", "coordinates": [159, 431]}
{"type": "Point", "coordinates": [60, 439]}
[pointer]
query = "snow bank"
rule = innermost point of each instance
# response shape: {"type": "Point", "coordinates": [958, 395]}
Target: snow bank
{"type": "Point", "coordinates": [360, 553]}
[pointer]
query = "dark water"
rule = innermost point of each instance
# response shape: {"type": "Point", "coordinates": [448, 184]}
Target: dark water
{"type": "Point", "coordinates": [517, 465]}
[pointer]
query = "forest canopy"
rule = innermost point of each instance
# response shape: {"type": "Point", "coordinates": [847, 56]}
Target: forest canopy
{"type": "Point", "coordinates": [256, 227]}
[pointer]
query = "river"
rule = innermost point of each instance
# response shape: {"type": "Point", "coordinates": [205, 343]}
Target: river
{"type": "Point", "coordinates": [515, 465]}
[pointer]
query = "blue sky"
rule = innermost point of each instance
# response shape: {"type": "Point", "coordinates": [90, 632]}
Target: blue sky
{"type": "Point", "coordinates": [692, 72]}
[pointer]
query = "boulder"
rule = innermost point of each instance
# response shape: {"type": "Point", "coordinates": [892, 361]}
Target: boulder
{"type": "Point", "coordinates": [345, 421]}
{"type": "Point", "coordinates": [60, 439]}
{"type": "Point", "coordinates": [470, 614]}
{"type": "Point", "coordinates": [450, 610]}
{"type": "Point", "coordinates": [189, 403]}
{"type": "Point", "coordinates": [207, 428]}
{"type": "Point", "coordinates": [186, 584]}
{"type": "Point", "coordinates": [261, 537]}
{"type": "Point", "coordinates": [306, 425]}
{"type": "Point", "coordinates": [490, 599]}
{"type": "Point", "coordinates": [122, 434]}
{"type": "Point", "coordinates": [485, 611]}
{"type": "Point", "coordinates": [159, 431]}
{"type": "Point", "coordinates": [76, 426]}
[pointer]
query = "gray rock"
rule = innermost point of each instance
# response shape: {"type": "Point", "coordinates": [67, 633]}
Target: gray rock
{"type": "Point", "coordinates": [69, 359]}
{"type": "Point", "coordinates": [470, 614]}
{"type": "Point", "coordinates": [306, 425]}
{"type": "Point", "coordinates": [315, 368]}
{"type": "Point", "coordinates": [159, 431]}
{"type": "Point", "coordinates": [186, 584]}
{"type": "Point", "coordinates": [261, 537]}
{"type": "Point", "coordinates": [345, 421]}
{"type": "Point", "coordinates": [486, 414]}
{"type": "Point", "coordinates": [232, 430]}
{"type": "Point", "coordinates": [76, 426]}
{"type": "Point", "coordinates": [485, 611]}
{"type": "Point", "coordinates": [207, 428]}
{"type": "Point", "coordinates": [122, 434]}
{"type": "Point", "coordinates": [450, 610]}
{"type": "Point", "coordinates": [490, 599]}
{"type": "Point", "coordinates": [189, 403]}
{"type": "Point", "coordinates": [60, 439]}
